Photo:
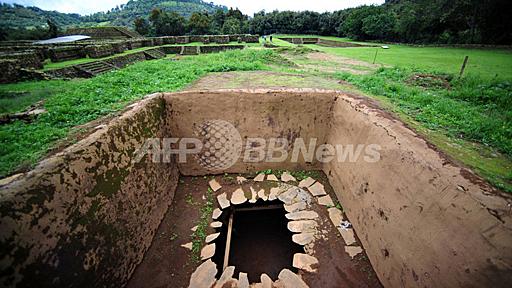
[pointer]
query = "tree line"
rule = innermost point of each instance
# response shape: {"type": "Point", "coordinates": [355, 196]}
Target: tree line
{"type": "Point", "coordinates": [408, 21]}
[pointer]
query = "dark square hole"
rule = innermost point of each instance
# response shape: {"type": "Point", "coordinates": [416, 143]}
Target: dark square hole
{"type": "Point", "coordinates": [260, 241]}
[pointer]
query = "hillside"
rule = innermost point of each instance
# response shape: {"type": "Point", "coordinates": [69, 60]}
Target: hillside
{"type": "Point", "coordinates": [17, 16]}
{"type": "Point", "coordinates": [126, 14]}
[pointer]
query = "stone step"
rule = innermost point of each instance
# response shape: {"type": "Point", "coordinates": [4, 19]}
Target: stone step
{"type": "Point", "coordinates": [95, 68]}
{"type": "Point", "coordinates": [155, 53]}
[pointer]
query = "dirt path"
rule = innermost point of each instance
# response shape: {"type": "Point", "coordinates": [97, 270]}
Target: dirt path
{"type": "Point", "coordinates": [264, 79]}
{"type": "Point", "coordinates": [324, 62]}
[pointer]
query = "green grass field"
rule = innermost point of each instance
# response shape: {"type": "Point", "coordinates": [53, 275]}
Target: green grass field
{"type": "Point", "coordinates": [471, 120]}
{"type": "Point", "coordinates": [77, 102]}
{"type": "Point", "coordinates": [485, 63]}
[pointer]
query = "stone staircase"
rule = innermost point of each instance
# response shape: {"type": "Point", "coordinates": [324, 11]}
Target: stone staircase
{"type": "Point", "coordinates": [154, 54]}
{"type": "Point", "coordinates": [95, 68]}
{"type": "Point", "coordinates": [190, 50]}
{"type": "Point", "coordinates": [127, 32]}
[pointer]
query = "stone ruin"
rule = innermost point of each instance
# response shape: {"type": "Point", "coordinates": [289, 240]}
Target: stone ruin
{"type": "Point", "coordinates": [21, 59]}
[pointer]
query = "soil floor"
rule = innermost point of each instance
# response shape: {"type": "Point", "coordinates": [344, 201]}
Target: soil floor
{"type": "Point", "coordinates": [167, 264]}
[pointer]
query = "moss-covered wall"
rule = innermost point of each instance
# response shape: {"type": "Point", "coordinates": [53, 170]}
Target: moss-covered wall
{"type": "Point", "coordinates": [85, 216]}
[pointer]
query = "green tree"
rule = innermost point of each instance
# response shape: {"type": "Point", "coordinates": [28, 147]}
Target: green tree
{"type": "Point", "coordinates": [53, 29]}
{"type": "Point", "coordinates": [167, 24]}
{"type": "Point", "coordinates": [199, 23]}
{"type": "Point", "coordinates": [231, 26]}
{"type": "Point", "coordinates": [142, 26]}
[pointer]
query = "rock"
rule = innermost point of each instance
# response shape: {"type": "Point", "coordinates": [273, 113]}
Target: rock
{"type": "Point", "coordinates": [295, 207]}
{"type": "Point", "coordinates": [254, 195]}
{"type": "Point", "coordinates": [288, 279]}
{"type": "Point", "coordinates": [265, 281]}
{"type": "Point", "coordinates": [208, 251]}
{"type": "Point", "coordinates": [304, 262]}
{"type": "Point", "coordinates": [325, 201]}
{"type": "Point", "coordinates": [187, 246]}
{"type": "Point", "coordinates": [353, 250]}
{"type": "Point", "coordinates": [288, 196]}
{"type": "Point", "coordinates": [301, 215]}
{"type": "Point", "coordinates": [259, 177]}
{"type": "Point", "coordinates": [286, 177]}
{"type": "Point", "coordinates": [238, 197]}
{"type": "Point", "coordinates": [216, 213]}
{"type": "Point", "coordinates": [261, 195]}
{"type": "Point", "coordinates": [243, 281]}
{"type": "Point", "coordinates": [240, 179]}
{"type": "Point", "coordinates": [214, 185]}
{"type": "Point", "coordinates": [216, 224]}
{"type": "Point", "coordinates": [336, 216]}
{"type": "Point", "coordinates": [204, 276]}
{"type": "Point", "coordinates": [302, 226]}
{"type": "Point", "coordinates": [272, 177]}
{"type": "Point", "coordinates": [317, 189]}
{"type": "Point", "coordinates": [212, 237]}
{"type": "Point", "coordinates": [303, 196]}
{"type": "Point", "coordinates": [226, 277]}
{"type": "Point", "coordinates": [303, 238]}
{"type": "Point", "coordinates": [223, 201]}
{"type": "Point", "coordinates": [276, 191]}
{"type": "Point", "coordinates": [348, 235]}
{"type": "Point", "coordinates": [306, 182]}
{"type": "Point", "coordinates": [193, 229]}
{"type": "Point", "coordinates": [273, 193]}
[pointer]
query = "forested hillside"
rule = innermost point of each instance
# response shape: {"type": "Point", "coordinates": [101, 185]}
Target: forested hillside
{"type": "Point", "coordinates": [124, 15]}
{"type": "Point", "coordinates": [17, 16]}
{"type": "Point", "coordinates": [20, 17]}
{"type": "Point", "coordinates": [407, 21]}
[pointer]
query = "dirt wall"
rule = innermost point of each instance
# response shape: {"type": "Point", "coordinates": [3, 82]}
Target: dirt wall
{"type": "Point", "coordinates": [254, 113]}
{"type": "Point", "coordinates": [423, 220]}
{"type": "Point", "coordinates": [86, 216]}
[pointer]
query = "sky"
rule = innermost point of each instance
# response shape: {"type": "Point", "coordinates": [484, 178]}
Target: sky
{"type": "Point", "coordinates": [246, 6]}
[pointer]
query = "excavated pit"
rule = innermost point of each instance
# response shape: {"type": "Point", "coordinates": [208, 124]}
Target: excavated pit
{"type": "Point", "coordinates": [260, 241]}
{"type": "Point", "coordinates": [89, 214]}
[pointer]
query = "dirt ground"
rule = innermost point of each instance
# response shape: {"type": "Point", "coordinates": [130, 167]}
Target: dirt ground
{"type": "Point", "coordinates": [264, 79]}
{"type": "Point", "coordinates": [167, 264]}
{"type": "Point", "coordinates": [324, 62]}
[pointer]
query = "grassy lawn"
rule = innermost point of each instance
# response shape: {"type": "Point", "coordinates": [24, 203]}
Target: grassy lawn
{"type": "Point", "coordinates": [50, 65]}
{"type": "Point", "coordinates": [471, 120]}
{"type": "Point", "coordinates": [484, 63]}
{"type": "Point", "coordinates": [57, 65]}
{"type": "Point", "coordinates": [81, 101]}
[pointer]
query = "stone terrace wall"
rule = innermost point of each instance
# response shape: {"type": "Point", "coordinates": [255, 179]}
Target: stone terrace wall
{"type": "Point", "coordinates": [220, 48]}
{"type": "Point", "coordinates": [86, 216]}
{"type": "Point", "coordinates": [182, 39]}
{"type": "Point", "coordinates": [332, 43]}
{"type": "Point", "coordinates": [60, 54]}
{"type": "Point", "coordinates": [99, 51]}
{"type": "Point", "coordinates": [125, 60]}
{"type": "Point", "coordinates": [28, 59]}
{"type": "Point", "coordinates": [119, 47]}
{"type": "Point", "coordinates": [104, 32]}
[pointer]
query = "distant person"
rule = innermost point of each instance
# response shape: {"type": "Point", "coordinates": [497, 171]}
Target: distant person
{"type": "Point", "coordinates": [270, 38]}
{"type": "Point", "coordinates": [264, 38]}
